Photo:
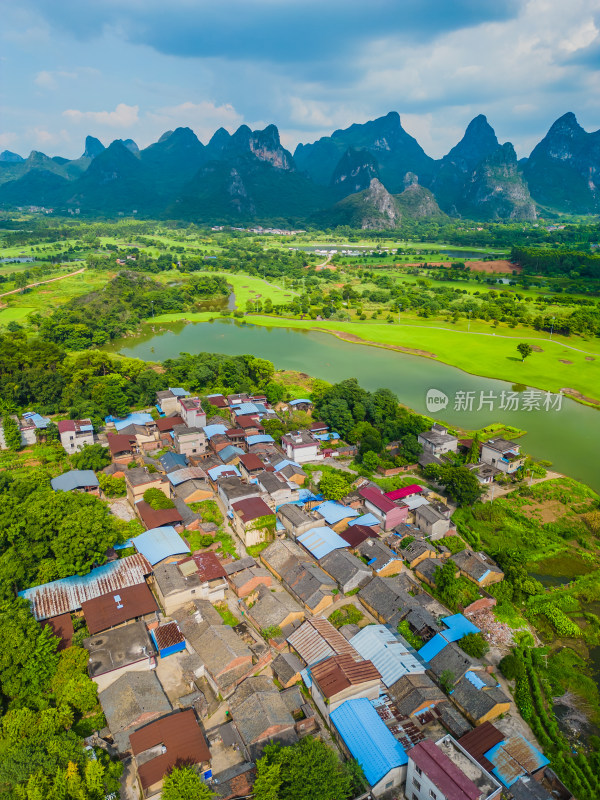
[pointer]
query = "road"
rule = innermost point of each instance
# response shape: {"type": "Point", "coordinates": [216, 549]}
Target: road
{"type": "Point", "coordinates": [41, 283]}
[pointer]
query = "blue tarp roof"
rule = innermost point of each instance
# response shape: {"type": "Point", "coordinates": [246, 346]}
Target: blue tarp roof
{"type": "Point", "coordinates": [213, 430]}
{"type": "Point", "coordinates": [75, 479]}
{"type": "Point", "coordinates": [215, 472]}
{"type": "Point", "coordinates": [178, 391]}
{"type": "Point", "coordinates": [369, 740]}
{"type": "Point", "coordinates": [173, 461]}
{"type": "Point", "coordinates": [335, 512]}
{"type": "Point", "coordinates": [391, 656]}
{"type": "Point", "coordinates": [139, 418]}
{"type": "Point", "coordinates": [506, 768]}
{"type": "Point", "coordinates": [321, 540]}
{"type": "Point", "coordinates": [307, 496]}
{"type": "Point", "coordinates": [159, 543]}
{"type": "Point", "coordinates": [325, 437]}
{"type": "Point", "coordinates": [457, 627]}
{"type": "Point", "coordinates": [365, 519]}
{"type": "Point", "coordinates": [259, 439]}
{"type": "Point", "coordinates": [297, 402]}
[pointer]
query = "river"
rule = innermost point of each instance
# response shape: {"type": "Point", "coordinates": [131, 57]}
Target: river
{"type": "Point", "coordinates": [569, 437]}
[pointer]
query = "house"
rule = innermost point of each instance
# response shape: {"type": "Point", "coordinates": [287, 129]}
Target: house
{"type": "Point", "coordinates": [76, 480]}
{"type": "Point", "coordinates": [160, 545]}
{"type": "Point", "coordinates": [485, 473]}
{"type": "Point", "coordinates": [339, 678]}
{"type": "Point", "coordinates": [168, 639]}
{"type": "Point", "coordinates": [226, 658]}
{"type": "Point", "coordinates": [286, 667]}
{"type": "Point", "coordinates": [390, 514]}
{"type": "Point", "coordinates": [415, 693]}
{"type": "Point", "coordinates": [116, 608]}
{"type": "Point", "coordinates": [480, 697]}
{"type": "Point", "coordinates": [320, 541]}
{"type": "Point", "coordinates": [146, 435]}
{"type": "Point", "coordinates": [236, 436]}
{"type": "Point", "coordinates": [249, 424]}
{"type": "Point", "coordinates": [421, 621]}
{"type": "Point", "coordinates": [503, 455]}
{"type": "Point", "coordinates": [383, 561]}
{"type": "Point", "coordinates": [300, 405]}
{"type": "Point", "coordinates": [138, 480]}
{"type": "Point", "coordinates": [245, 576]}
{"type": "Point", "coordinates": [201, 577]}
{"type": "Point", "coordinates": [365, 737]}
{"type": "Point", "coordinates": [404, 493]}
{"type": "Point", "coordinates": [231, 489]}
{"type": "Point", "coordinates": [526, 788]}
{"type": "Point", "coordinates": [253, 520]}
{"type": "Point", "coordinates": [297, 521]}
{"type": "Point", "coordinates": [317, 639]}
{"type": "Point", "coordinates": [281, 555]}
{"type": "Point", "coordinates": [114, 652]}
{"type": "Point", "coordinates": [415, 552]}
{"type": "Point", "coordinates": [357, 534]}
{"type": "Point", "coordinates": [443, 770]}
{"type": "Point", "coordinates": [384, 598]}
{"type": "Point", "coordinates": [336, 515]}
{"type": "Point", "coordinates": [165, 426]}
{"type": "Point", "coordinates": [274, 609]}
{"type": "Point", "coordinates": [133, 700]}
{"type": "Point", "coordinates": [75, 434]}
{"type": "Point", "coordinates": [194, 491]}
{"type": "Point", "coordinates": [123, 448]}
{"type": "Point", "coordinates": [191, 411]}
{"type": "Point", "coordinates": [167, 400]}
{"type": "Point", "coordinates": [278, 490]}
{"type": "Point", "coordinates": [455, 627]}
{"type": "Point", "coordinates": [167, 742]}
{"type": "Point", "coordinates": [172, 462]}
{"type": "Point", "coordinates": [68, 594]}
{"type": "Point", "coordinates": [477, 567]}
{"type": "Point", "coordinates": [454, 662]}
{"type": "Point", "coordinates": [348, 571]}
{"type": "Point", "coordinates": [250, 465]}
{"type": "Point", "coordinates": [301, 447]}
{"type": "Point", "coordinates": [507, 758]}
{"type": "Point", "coordinates": [217, 400]}
{"type": "Point", "coordinates": [190, 442]}
{"type": "Point", "coordinates": [312, 587]}
{"type": "Point", "coordinates": [426, 570]}
{"type": "Point", "coordinates": [389, 653]}
{"type": "Point", "coordinates": [261, 715]}
{"type": "Point", "coordinates": [438, 441]}
{"type": "Point", "coordinates": [157, 517]}
{"type": "Point", "coordinates": [30, 424]}
{"type": "Point", "coordinates": [292, 473]}
{"type": "Point", "coordinates": [431, 522]}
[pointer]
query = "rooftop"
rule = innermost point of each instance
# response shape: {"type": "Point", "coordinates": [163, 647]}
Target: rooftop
{"type": "Point", "coordinates": [378, 499]}
{"type": "Point", "coordinates": [317, 639]}
{"type": "Point", "coordinates": [357, 534]}
{"type": "Point", "coordinates": [156, 518]}
{"type": "Point", "coordinates": [74, 479]}
{"type": "Point", "coordinates": [337, 673]}
{"type": "Point", "coordinates": [113, 609]}
{"type": "Point", "coordinates": [443, 772]}
{"type": "Point", "coordinates": [160, 543]}
{"type": "Point", "coordinates": [321, 541]}
{"type": "Point", "coordinates": [333, 512]}
{"type": "Point", "coordinates": [251, 508]}
{"type": "Point", "coordinates": [405, 491]}
{"type": "Point", "coordinates": [389, 654]}
{"type": "Point", "coordinates": [117, 648]}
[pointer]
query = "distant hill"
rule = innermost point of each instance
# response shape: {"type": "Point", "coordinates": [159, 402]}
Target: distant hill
{"type": "Point", "coordinates": [369, 175]}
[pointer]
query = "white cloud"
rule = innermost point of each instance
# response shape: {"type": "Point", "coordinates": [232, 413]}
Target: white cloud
{"type": "Point", "coordinates": [41, 137]}
{"type": "Point", "coordinates": [123, 116]}
{"type": "Point", "coordinates": [7, 139]}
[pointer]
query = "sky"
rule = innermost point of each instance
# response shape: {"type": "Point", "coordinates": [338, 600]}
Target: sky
{"type": "Point", "coordinates": [136, 68]}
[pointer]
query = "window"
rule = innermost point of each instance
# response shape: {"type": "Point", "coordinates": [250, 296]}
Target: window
{"type": "Point", "coordinates": [418, 770]}
{"type": "Point", "coordinates": [432, 794]}
{"type": "Point", "coordinates": [416, 784]}
{"type": "Point", "coordinates": [415, 797]}
{"type": "Point", "coordinates": [389, 785]}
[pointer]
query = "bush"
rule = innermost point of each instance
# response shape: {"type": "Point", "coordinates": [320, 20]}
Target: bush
{"type": "Point", "coordinates": [474, 645]}
{"type": "Point", "coordinates": [157, 500]}
{"type": "Point", "coordinates": [272, 632]}
{"type": "Point", "coordinates": [93, 456]}
{"type": "Point", "coordinates": [111, 486]}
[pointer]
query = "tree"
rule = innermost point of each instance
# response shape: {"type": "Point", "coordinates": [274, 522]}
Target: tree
{"type": "Point", "coordinates": [473, 454]}
{"type": "Point", "coordinates": [370, 461]}
{"type": "Point", "coordinates": [184, 783]}
{"type": "Point", "coordinates": [92, 456]}
{"type": "Point", "coordinates": [474, 644]}
{"type": "Point", "coordinates": [461, 484]}
{"type": "Point", "coordinates": [12, 433]}
{"type": "Point", "coordinates": [157, 499]}
{"type": "Point", "coordinates": [272, 632]}
{"type": "Point", "coordinates": [447, 584]}
{"type": "Point", "coordinates": [268, 781]}
{"type": "Point", "coordinates": [447, 680]}
{"type": "Point", "coordinates": [111, 486]}
{"type": "Point", "coordinates": [333, 485]}
{"type": "Point", "coordinates": [524, 350]}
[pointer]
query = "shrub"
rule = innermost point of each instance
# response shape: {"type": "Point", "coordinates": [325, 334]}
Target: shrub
{"type": "Point", "coordinates": [157, 500]}
{"type": "Point", "coordinates": [111, 486]}
{"type": "Point", "coordinates": [474, 645]}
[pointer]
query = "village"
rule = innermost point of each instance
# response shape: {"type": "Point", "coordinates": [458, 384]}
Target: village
{"type": "Point", "coordinates": [253, 609]}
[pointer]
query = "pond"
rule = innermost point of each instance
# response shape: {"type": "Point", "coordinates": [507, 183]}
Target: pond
{"type": "Point", "coordinates": [569, 437]}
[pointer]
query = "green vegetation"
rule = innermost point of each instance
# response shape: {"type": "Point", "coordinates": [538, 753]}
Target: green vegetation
{"type": "Point", "coordinates": [453, 592]}
{"type": "Point", "coordinates": [226, 615]}
{"type": "Point", "coordinates": [346, 615]}
{"type": "Point", "coordinates": [255, 550]}
{"type": "Point", "coordinates": [524, 350]}
{"type": "Point", "coordinates": [184, 783]}
{"type": "Point", "coordinates": [111, 486]}
{"type": "Point", "coordinates": [271, 632]}
{"type": "Point", "coordinates": [474, 644]}
{"type": "Point", "coordinates": [92, 456]}
{"type": "Point", "coordinates": [157, 499]}
{"type": "Point", "coordinates": [412, 638]}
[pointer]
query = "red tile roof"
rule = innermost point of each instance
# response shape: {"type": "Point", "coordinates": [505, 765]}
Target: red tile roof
{"type": "Point", "coordinates": [248, 421]}
{"type": "Point", "coordinates": [378, 499]}
{"type": "Point", "coordinates": [110, 610]}
{"type": "Point", "coordinates": [406, 491]}
{"type": "Point", "coordinates": [167, 423]}
{"type": "Point", "coordinates": [251, 508]}
{"type": "Point", "coordinates": [251, 461]}
{"type": "Point", "coordinates": [168, 635]}
{"type": "Point", "coordinates": [153, 518]}
{"type": "Point", "coordinates": [183, 743]}
{"type": "Point", "coordinates": [357, 534]}
{"type": "Point", "coordinates": [337, 673]}
{"type": "Point", "coordinates": [119, 443]}
{"type": "Point", "coordinates": [442, 772]}
{"type": "Point", "coordinates": [209, 567]}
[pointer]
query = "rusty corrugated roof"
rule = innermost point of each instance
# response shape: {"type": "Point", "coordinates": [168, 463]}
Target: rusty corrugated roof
{"type": "Point", "coordinates": [317, 639]}
{"type": "Point", "coordinates": [62, 596]}
{"type": "Point", "coordinates": [337, 673]}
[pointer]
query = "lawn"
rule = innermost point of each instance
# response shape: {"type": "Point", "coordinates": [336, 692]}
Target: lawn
{"type": "Point", "coordinates": [14, 314]}
{"type": "Point", "coordinates": [45, 298]}
{"type": "Point", "coordinates": [490, 355]}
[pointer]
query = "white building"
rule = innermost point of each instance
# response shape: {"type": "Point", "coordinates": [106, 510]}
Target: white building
{"type": "Point", "coordinates": [438, 441]}
{"type": "Point", "coordinates": [75, 434]}
{"type": "Point", "coordinates": [301, 446]}
{"type": "Point", "coordinates": [191, 412]}
{"type": "Point", "coordinates": [502, 454]}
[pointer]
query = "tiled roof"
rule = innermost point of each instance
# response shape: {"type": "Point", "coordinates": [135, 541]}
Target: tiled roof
{"type": "Point", "coordinates": [337, 673]}
{"type": "Point", "coordinates": [317, 639]}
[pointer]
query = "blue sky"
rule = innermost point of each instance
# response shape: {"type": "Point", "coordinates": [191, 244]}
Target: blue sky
{"type": "Point", "coordinates": [135, 68]}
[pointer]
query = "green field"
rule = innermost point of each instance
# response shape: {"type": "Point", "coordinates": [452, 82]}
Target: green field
{"type": "Point", "coordinates": [44, 298]}
{"type": "Point", "coordinates": [492, 356]}
{"type": "Point", "coordinates": [244, 287]}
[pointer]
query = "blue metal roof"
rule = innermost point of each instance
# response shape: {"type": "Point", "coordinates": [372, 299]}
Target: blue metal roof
{"type": "Point", "coordinates": [391, 657]}
{"type": "Point", "coordinates": [230, 452]}
{"type": "Point", "coordinates": [507, 768]}
{"type": "Point", "coordinates": [75, 479]}
{"type": "Point", "coordinates": [215, 472]}
{"type": "Point", "coordinates": [365, 519]}
{"type": "Point", "coordinates": [173, 461]}
{"type": "Point", "coordinates": [432, 648]}
{"type": "Point", "coordinates": [335, 512]}
{"type": "Point", "coordinates": [306, 496]}
{"type": "Point", "coordinates": [213, 430]}
{"type": "Point", "coordinates": [178, 391]}
{"type": "Point", "coordinates": [458, 626]}
{"type": "Point", "coordinates": [37, 419]}
{"type": "Point", "coordinates": [259, 439]}
{"type": "Point", "coordinates": [159, 543]}
{"type": "Point", "coordinates": [368, 738]}
{"type": "Point", "coordinates": [321, 540]}
{"type": "Point", "coordinates": [297, 402]}
{"type": "Point", "coordinates": [325, 437]}
{"type": "Point", "coordinates": [285, 463]}
{"type": "Point", "coordinates": [139, 418]}
{"type": "Point", "coordinates": [245, 408]}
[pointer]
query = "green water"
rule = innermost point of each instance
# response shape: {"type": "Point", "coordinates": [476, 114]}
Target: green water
{"type": "Point", "coordinates": [569, 437]}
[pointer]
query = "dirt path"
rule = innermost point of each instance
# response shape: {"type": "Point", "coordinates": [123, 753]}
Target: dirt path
{"type": "Point", "coordinates": [41, 283]}
{"type": "Point", "coordinates": [496, 490]}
